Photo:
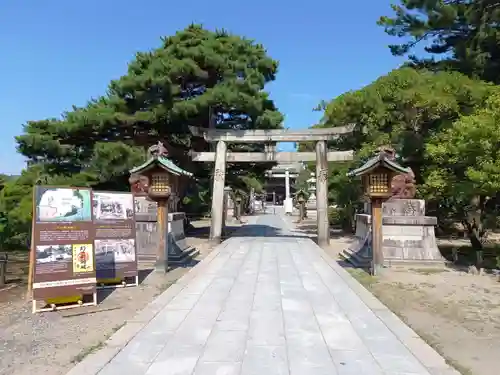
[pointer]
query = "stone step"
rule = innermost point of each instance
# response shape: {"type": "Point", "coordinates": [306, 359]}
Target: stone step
{"type": "Point", "coordinates": [183, 258]}
{"type": "Point", "coordinates": [356, 260]}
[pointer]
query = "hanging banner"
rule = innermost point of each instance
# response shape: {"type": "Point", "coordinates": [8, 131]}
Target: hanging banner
{"type": "Point", "coordinates": [63, 242]}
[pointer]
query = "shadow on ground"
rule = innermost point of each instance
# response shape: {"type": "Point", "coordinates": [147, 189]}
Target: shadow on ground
{"type": "Point", "coordinates": [258, 230]}
{"type": "Point", "coordinates": [204, 232]}
{"type": "Point", "coordinates": [312, 229]}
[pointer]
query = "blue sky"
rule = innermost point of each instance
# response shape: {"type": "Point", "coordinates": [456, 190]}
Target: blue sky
{"type": "Point", "coordinates": [58, 53]}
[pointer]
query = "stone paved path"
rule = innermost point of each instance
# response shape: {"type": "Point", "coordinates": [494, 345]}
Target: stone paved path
{"type": "Point", "coordinates": [268, 302]}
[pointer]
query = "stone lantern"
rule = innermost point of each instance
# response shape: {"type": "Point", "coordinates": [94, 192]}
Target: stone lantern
{"type": "Point", "coordinates": [377, 175]}
{"type": "Point", "coordinates": [311, 183]}
{"type": "Point", "coordinates": [227, 196]}
{"type": "Point", "coordinates": [238, 199]}
{"type": "Point", "coordinates": [301, 200]}
{"type": "Point", "coordinates": [156, 179]}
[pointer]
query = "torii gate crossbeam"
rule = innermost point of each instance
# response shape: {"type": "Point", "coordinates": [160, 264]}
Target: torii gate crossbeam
{"type": "Point", "coordinates": [269, 137]}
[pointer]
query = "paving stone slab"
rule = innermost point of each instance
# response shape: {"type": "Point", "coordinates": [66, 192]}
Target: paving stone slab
{"type": "Point", "coordinates": [265, 305]}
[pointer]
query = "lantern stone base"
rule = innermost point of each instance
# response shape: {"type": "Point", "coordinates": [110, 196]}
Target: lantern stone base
{"type": "Point", "coordinates": [147, 235]}
{"type": "Point", "coordinates": [179, 252]}
{"type": "Point", "coordinates": [408, 236]}
{"type": "Point", "coordinates": [359, 253]}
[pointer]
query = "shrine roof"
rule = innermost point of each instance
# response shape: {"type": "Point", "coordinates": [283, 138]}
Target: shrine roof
{"type": "Point", "coordinates": [380, 160]}
{"type": "Point", "coordinates": [162, 162]}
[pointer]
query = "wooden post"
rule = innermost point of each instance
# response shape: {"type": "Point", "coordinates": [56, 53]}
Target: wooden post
{"type": "Point", "coordinates": [162, 223]}
{"type": "Point", "coordinates": [218, 192]}
{"type": "Point", "coordinates": [3, 268]}
{"type": "Point", "coordinates": [32, 255]}
{"type": "Point", "coordinates": [378, 255]}
{"type": "Point", "coordinates": [322, 194]}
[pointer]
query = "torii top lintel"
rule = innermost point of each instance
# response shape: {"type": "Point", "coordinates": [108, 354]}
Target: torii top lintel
{"type": "Point", "coordinates": [274, 135]}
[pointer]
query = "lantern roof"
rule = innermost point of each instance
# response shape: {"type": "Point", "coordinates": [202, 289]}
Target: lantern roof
{"type": "Point", "coordinates": [158, 158]}
{"type": "Point", "coordinates": [382, 159]}
{"type": "Point", "coordinates": [300, 192]}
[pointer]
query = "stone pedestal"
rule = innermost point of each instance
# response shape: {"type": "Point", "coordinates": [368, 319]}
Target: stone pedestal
{"type": "Point", "coordinates": [359, 252]}
{"type": "Point", "coordinates": [179, 252]}
{"type": "Point", "coordinates": [407, 236]}
{"type": "Point", "coordinates": [311, 202]}
{"type": "Point", "coordinates": [147, 236]}
{"type": "Point", "coordinates": [288, 205]}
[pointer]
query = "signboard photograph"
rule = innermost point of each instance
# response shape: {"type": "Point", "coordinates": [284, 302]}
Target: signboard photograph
{"type": "Point", "coordinates": [63, 235]}
{"type": "Point", "coordinates": [115, 251]}
{"type": "Point", "coordinates": [54, 254]}
{"type": "Point", "coordinates": [114, 241]}
{"type": "Point", "coordinates": [113, 206]}
{"type": "Point", "coordinates": [83, 258]}
{"type": "Point", "coordinates": [62, 204]}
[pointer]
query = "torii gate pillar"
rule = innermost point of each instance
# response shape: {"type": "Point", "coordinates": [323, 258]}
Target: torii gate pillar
{"type": "Point", "coordinates": [218, 193]}
{"type": "Point", "coordinates": [322, 194]}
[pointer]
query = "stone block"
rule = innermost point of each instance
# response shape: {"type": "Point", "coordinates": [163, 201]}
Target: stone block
{"type": "Point", "coordinates": [217, 368]}
{"type": "Point", "coordinates": [266, 328]}
{"type": "Point", "coordinates": [225, 346]}
{"type": "Point", "coordinates": [404, 207]}
{"type": "Point", "coordinates": [261, 360]}
{"type": "Point", "coordinates": [355, 362]}
{"type": "Point", "coordinates": [409, 220]}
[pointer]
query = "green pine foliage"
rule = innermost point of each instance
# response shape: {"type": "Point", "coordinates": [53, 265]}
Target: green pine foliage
{"type": "Point", "coordinates": [196, 77]}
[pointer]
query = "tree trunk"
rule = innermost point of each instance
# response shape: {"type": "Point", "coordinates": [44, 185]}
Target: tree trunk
{"type": "Point", "coordinates": [473, 224]}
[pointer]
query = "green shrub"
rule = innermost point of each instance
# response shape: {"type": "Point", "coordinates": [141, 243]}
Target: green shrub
{"type": "Point", "coordinates": [341, 218]}
{"type": "Point", "coordinates": [335, 217]}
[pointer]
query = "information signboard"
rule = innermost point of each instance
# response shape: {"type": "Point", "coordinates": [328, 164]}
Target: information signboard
{"type": "Point", "coordinates": [114, 230]}
{"type": "Point", "coordinates": [63, 243]}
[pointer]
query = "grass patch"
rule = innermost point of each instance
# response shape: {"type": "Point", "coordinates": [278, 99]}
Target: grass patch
{"type": "Point", "coordinates": [87, 351]}
{"type": "Point", "coordinates": [94, 348]}
{"type": "Point", "coordinates": [363, 277]}
{"type": "Point", "coordinates": [432, 342]}
{"type": "Point", "coordinates": [164, 286]}
{"type": "Point", "coordinates": [428, 271]}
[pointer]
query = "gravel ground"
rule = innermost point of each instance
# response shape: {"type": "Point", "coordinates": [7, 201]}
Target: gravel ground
{"type": "Point", "coordinates": [50, 343]}
{"type": "Point", "coordinates": [455, 312]}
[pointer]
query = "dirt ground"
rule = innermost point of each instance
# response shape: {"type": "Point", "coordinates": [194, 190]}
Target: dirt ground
{"type": "Point", "coordinates": [50, 343]}
{"type": "Point", "coordinates": [455, 312]}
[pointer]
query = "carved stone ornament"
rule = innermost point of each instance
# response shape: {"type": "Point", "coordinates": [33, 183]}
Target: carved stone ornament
{"type": "Point", "coordinates": [403, 186]}
{"type": "Point", "coordinates": [218, 175]}
{"type": "Point", "coordinates": [139, 184]}
{"type": "Point", "coordinates": [323, 175]}
{"type": "Point", "coordinates": [389, 152]}
{"type": "Point", "coordinates": [158, 150]}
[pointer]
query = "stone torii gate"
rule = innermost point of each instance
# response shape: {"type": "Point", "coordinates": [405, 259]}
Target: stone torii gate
{"type": "Point", "coordinates": [269, 138]}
